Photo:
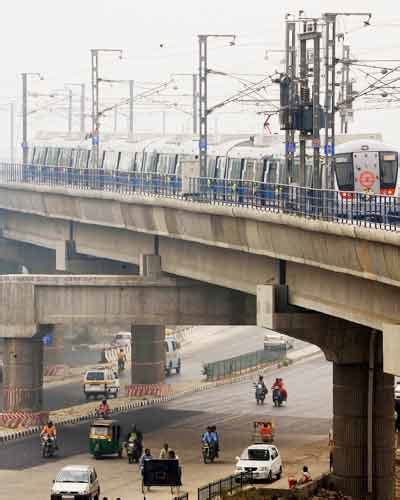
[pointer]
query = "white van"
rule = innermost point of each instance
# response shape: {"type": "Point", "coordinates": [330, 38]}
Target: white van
{"type": "Point", "coordinates": [122, 339]}
{"type": "Point", "coordinates": [173, 359]}
{"type": "Point", "coordinates": [100, 381]}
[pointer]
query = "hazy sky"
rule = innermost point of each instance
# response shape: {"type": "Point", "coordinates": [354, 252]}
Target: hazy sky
{"type": "Point", "coordinates": [55, 38]}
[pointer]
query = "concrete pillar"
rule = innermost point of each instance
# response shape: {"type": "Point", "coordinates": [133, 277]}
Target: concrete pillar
{"type": "Point", "coordinates": [23, 374]}
{"type": "Point", "coordinates": [350, 428]}
{"type": "Point", "coordinates": [54, 353]}
{"type": "Point", "coordinates": [150, 266]}
{"type": "Point", "coordinates": [148, 355]}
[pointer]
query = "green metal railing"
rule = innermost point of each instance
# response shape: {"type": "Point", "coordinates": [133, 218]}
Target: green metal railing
{"type": "Point", "coordinates": [239, 364]}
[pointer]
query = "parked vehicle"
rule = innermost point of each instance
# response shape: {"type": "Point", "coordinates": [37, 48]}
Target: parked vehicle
{"type": "Point", "coordinates": [76, 481]}
{"type": "Point", "coordinates": [105, 438]}
{"type": "Point", "coordinates": [173, 360]}
{"type": "Point", "coordinates": [101, 381]}
{"type": "Point", "coordinates": [262, 461]}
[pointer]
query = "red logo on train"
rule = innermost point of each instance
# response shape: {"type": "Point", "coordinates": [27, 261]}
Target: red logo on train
{"type": "Point", "coordinates": [367, 179]}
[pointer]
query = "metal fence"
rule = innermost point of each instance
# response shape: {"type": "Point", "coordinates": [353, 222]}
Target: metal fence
{"type": "Point", "coordinates": [352, 208]}
{"type": "Point", "coordinates": [239, 364]}
{"type": "Point", "coordinates": [224, 486]}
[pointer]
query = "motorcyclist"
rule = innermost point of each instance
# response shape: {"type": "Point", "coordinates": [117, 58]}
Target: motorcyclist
{"type": "Point", "coordinates": [215, 438]}
{"type": "Point", "coordinates": [266, 431]}
{"type": "Point", "coordinates": [50, 430]}
{"type": "Point", "coordinates": [121, 359]}
{"type": "Point", "coordinates": [136, 437]}
{"type": "Point", "coordinates": [262, 384]}
{"type": "Point", "coordinates": [277, 384]}
{"type": "Point", "coordinates": [207, 437]}
{"type": "Point", "coordinates": [104, 410]}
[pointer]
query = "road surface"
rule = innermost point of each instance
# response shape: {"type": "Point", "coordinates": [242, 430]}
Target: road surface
{"type": "Point", "coordinates": [206, 344]}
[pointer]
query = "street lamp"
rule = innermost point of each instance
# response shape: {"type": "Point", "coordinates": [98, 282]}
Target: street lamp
{"type": "Point", "coordinates": [25, 114]}
{"type": "Point", "coordinates": [194, 96]}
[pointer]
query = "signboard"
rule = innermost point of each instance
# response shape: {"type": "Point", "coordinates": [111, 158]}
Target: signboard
{"type": "Point", "coordinates": [48, 340]}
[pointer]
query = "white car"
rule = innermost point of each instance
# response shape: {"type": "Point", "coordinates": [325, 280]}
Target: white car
{"type": "Point", "coordinates": [397, 390]}
{"type": "Point", "coordinates": [101, 381]}
{"type": "Point", "coordinates": [173, 359]}
{"type": "Point", "coordinates": [263, 461]}
{"type": "Point", "coordinates": [76, 481]}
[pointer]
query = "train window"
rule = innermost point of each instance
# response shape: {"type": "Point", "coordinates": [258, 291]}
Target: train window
{"type": "Point", "coordinates": [82, 158]}
{"type": "Point", "coordinates": [52, 156]}
{"type": "Point", "coordinates": [211, 164]}
{"type": "Point", "coordinates": [138, 165]}
{"type": "Point", "coordinates": [41, 155]}
{"type": "Point", "coordinates": [64, 159]}
{"type": "Point", "coordinates": [220, 170]}
{"type": "Point", "coordinates": [150, 162]}
{"type": "Point", "coordinates": [172, 159]}
{"type": "Point", "coordinates": [344, 171]}
{"type": "Point", "coordinates": [235, 168]}
{"type": "Point", "coordinates": [259, 170]}
{"type": "Point", "coordinates": [272, 171]}
{"type": "Point", "coordinates": [126, 161]}
{"type": "Point", "coordinates": [180, 159]}
{"type": "Point", "coordinates": [388, 167]}
{"type": "Point", "coordinates": [295, 174]}
{"type": "Point", "coordinates": [110, 160]}
{"type": "Point", "coordinates": [248, 170]}
{"type": "Point", "coordinates": [162, 164]}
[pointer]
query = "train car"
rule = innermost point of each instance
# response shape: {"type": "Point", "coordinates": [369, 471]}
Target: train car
{"type": "Point", "coordinates": [364, 168]}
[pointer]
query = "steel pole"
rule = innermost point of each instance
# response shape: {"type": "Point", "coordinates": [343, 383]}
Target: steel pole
{"type": "Point", "coordinates": [69, 111]}
{"type": "Point", "coordinates": [194, 103]}
{"type": "Point", "coordinates": [82, 111]}
{"type": "Point", "coordinates": [131, 84]}
{"type": "Point", "coordinates": [12, 127]}
{"type": "Point", "coordinates": [24, 118]}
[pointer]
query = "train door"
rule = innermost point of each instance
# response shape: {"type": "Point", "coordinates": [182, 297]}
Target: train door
{"type": "Point", "coordinates": [366, 171]}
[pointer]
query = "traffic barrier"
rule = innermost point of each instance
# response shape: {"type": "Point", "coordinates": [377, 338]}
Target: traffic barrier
{"type": "Point", "coordinates": [12, 420]}
{"type": "Point", "coordinates": [224, 487]}
{"type": "Point", "coordinates": [54, 370]}
{"type": "Point", "coordinates": [139, 390]}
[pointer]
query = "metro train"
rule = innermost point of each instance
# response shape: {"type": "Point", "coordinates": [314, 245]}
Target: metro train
{"type": "Point", "coordinates": [235, 159]}
{"type": "Point", "coordinates": [364, 165]}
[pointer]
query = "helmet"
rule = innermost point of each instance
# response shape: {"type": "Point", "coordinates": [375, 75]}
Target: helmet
{"type": "Point", "coordinates": [49, 423]}
{"type": "Point", "coordinates": [104, 401]}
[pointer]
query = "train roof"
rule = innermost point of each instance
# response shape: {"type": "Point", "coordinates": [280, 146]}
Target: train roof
{"type": "Point", "coordinates": [361, 145]}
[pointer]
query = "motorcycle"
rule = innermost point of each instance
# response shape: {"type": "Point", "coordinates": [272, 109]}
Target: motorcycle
{"type": "Point", "coordinates": [48, 445]}
{"type": "Point", "coordinates": [121, 365]}
{"type": "Point", "coordinates": [101, 413]}
{"type": "Point", "coordinates": [209, 453]}
{"type": "Point", "coordinates": [133, 452]}
{"type": "Point", "coordinates": [261, 392]}
{"type": "Point", "coordinates": [278, 397]}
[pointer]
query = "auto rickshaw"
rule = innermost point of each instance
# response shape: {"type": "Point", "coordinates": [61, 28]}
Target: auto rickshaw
{"type": "Point", "coordinates": [263, 432]}
{"type": "Point", "coordinates": [105, 438]}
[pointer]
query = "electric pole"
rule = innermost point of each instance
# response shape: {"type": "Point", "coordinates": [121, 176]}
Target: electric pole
{"type": "Point", "coordinates": [82, 117]}
{"type": "Point", "coordinates": [131, 84]}
{"type": "Point", "coordinates": [290, 68]}
{"type": "Point", "coordinates": [115, 119]}
{"type": "Point", "coordinates": [203, 94]}
{"type": "Point", "coordinates": [69, 111]}
{"type": "Point", "coordinates": [12, 131]}
{"type": "Point", "coordinates": [25, 114]}
{"type": "Point", "coordinates": [345, 90]}
{"type": "Point", "coordinates": [95, 102]}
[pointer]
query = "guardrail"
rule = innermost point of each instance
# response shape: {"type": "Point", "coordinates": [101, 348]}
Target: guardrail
{"type": "Point", "coordinates": [239, 364]}
{"type": "Point", "coordinates": [355, 208]}
{"type": "Point", "coordinates": [225, 486]}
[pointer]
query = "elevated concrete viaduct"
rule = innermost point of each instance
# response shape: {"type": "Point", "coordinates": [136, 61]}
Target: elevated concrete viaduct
{"type": "Point", "coordinates": [335, 285]}
{"type": "Point", "coordinates": [30, 302]}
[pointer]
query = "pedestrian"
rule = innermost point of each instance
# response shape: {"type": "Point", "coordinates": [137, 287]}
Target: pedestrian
{"type": "Point", "coordinates": [164, 451]}
{"type": "Point", "coordinates": [331, 445]}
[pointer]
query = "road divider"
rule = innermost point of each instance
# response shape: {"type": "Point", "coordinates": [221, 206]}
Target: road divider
{"type": "Point", "coordinates": [140, 390]}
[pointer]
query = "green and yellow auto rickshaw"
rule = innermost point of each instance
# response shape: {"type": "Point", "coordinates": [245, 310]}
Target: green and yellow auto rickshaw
{"type": "Point", "coordinates": [105, 438]}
